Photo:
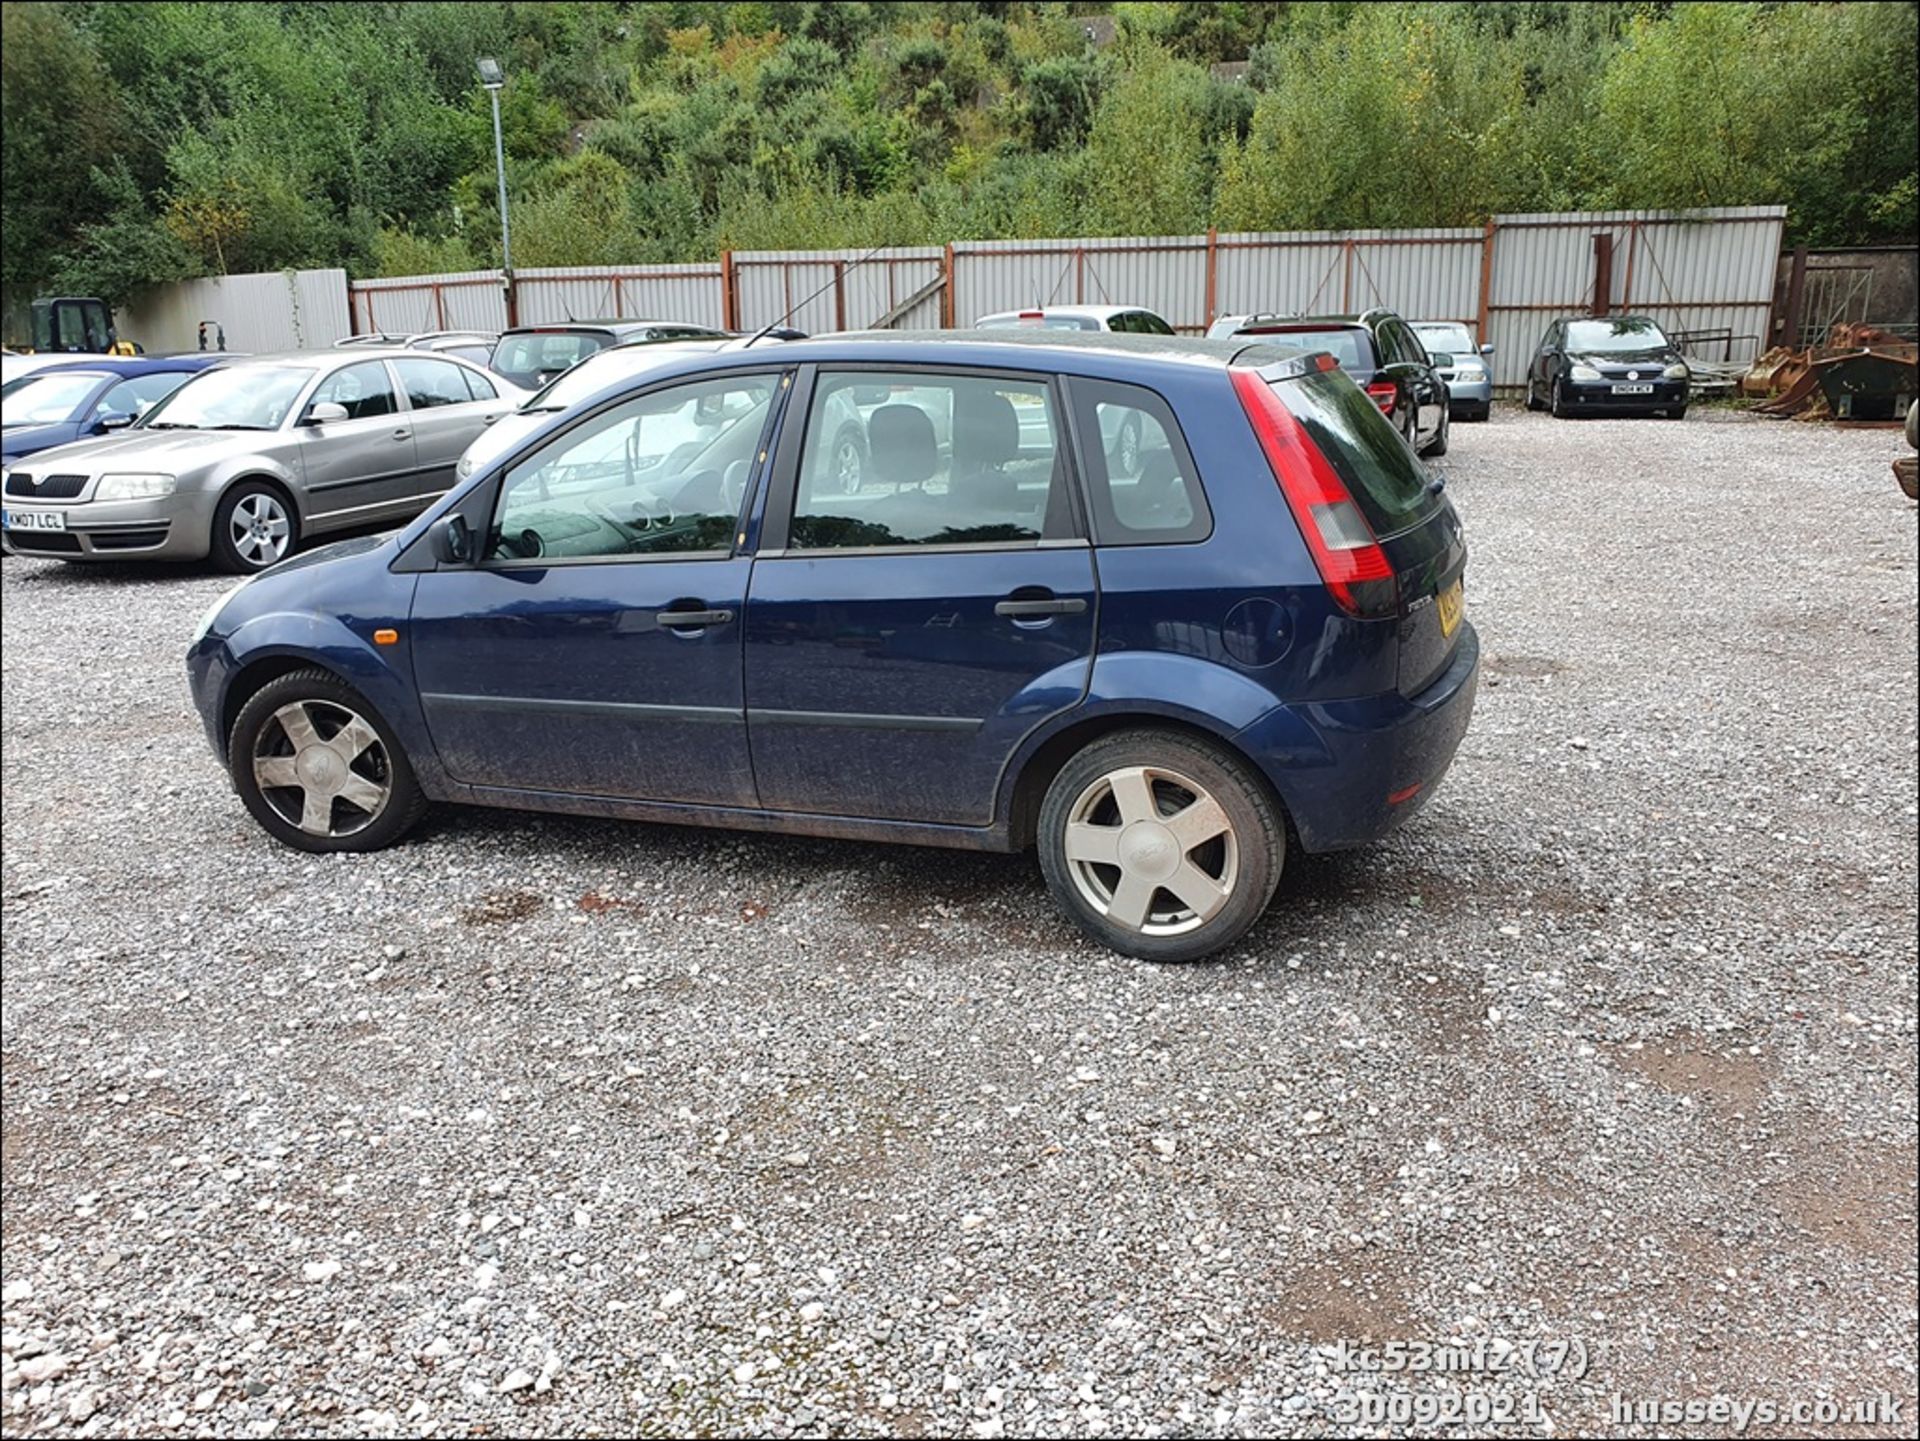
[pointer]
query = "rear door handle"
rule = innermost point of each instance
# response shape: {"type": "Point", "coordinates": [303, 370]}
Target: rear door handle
{"type": "Point", "coordinates": [1073, 606]}
{"type": "Point", "coordinates": [689, 619]}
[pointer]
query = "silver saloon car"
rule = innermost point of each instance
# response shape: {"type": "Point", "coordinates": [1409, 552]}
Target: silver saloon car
{"type": "Point", "coordinates": [246, 460]}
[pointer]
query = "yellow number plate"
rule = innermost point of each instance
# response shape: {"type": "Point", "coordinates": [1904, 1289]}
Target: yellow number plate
{"type": "Point", "coordinates": [1452, 605]}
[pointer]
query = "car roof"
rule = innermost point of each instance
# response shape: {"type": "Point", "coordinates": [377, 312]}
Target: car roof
{"type": "Point", "coordinates": [1087, 312]}
{"type": "Point", "coordinates": [342, 355]}
{"type": "Point", "coordinates": [125, 366]}
{"type": "Point", "coordinates": [615, 326]}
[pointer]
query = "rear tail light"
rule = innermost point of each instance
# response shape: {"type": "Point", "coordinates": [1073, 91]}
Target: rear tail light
{"type": "Point", "coordinates": [1356, 571]}
{"type": "Point", "coordinates": [1383, 393]}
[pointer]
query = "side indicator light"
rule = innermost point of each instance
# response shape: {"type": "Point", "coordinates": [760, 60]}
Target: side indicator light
{"type": "Point", "coordinates": [384, 636]}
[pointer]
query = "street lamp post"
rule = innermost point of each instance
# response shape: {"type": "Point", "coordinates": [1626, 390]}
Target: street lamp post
{"type": "Point", "coordinates": [492, 77]}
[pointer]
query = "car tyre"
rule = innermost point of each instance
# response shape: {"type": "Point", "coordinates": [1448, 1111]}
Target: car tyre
{"type": "Point", "coordinates": [1160, 845]}
{"type": "Point", "coordinates": [254, 526]}
{"type": "Point", "coordinates": [849, 460]}
{"type": "Point", "coordinates": [1127, 449]}
{"type": "Point", "coordinates": [1557, 405]}
{"type": "Point", "coordinates": [1679, 412]}
{"type": "Point", "coordinates": [319, 768]}
{"type": "Point", "coordinates": [1439, 445]}
{"type": "Point", "coordinates": [1533, 398]}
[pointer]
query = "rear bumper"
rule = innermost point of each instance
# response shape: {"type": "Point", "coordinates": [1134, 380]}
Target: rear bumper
{"type": "Point", "coordinates": [1350, 771]}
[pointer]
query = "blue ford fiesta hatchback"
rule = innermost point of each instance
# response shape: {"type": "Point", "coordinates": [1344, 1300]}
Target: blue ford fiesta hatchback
{"type": "Point", "coordinates": [1160, 608]}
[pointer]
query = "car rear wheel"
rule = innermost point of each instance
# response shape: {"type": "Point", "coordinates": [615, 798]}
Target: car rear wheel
{"type": "Point", "coordinates": [1160, 845]}
{"type": "Point", "coordinates": [319, 768]}
{"type": "Point", "coordinates": [1533, 398]}
{"type": "Point", "coordinates": [1438, 446]}
{"type": "Point", "coordinates": [254, 526]}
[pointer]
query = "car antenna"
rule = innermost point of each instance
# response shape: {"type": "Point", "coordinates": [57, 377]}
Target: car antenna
{"type": "Point", "coordinates": [838, 276]}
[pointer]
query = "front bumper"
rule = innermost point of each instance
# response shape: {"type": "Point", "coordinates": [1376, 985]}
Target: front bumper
{"type": "Point", "coordinates": [1469, 395]}
{"type": "Point", "coordinates": [1352, 770]}
{"type": "Point", "coordinates": [1597, 396]}
{"type": "Point", "coordinates": [171, 527]}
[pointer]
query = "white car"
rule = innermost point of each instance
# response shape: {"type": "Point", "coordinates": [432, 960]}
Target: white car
{"type": "Point", "coordinates": [1121, 319]}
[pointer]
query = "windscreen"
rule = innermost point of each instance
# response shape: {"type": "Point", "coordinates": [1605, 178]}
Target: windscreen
{"type": "Point", "coordinates": [1351, 347]}
{"type": "Point", "coordinates": [1446, 339]}
{"type": "Point", "coordinates": [248, 397]}
{"type": "Point", "coordinates": [44, 399]}
{"type": "Point", "coordinates": [1384, 476]}
{"type": "Point", "coordinates": [531, 359]}
{"type": "Point", "coordinates": [1625, 334]}
{"type": "Point", "coordinates": [603, 369]}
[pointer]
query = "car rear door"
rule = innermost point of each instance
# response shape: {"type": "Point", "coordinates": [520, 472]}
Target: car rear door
{"type": "Point", "coordinates": [445, 415]}
{"type": "Point", "coordinates": [904, 635]}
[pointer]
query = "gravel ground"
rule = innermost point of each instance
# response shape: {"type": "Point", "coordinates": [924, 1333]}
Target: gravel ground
{"type": "Point", "coordinates": [555, 1125]}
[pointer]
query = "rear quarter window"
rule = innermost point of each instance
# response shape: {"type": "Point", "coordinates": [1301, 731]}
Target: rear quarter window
{"type": "Point", "coordinates": [1141, 480]}
{"type": "Point", "coordinates": [1387, 480]}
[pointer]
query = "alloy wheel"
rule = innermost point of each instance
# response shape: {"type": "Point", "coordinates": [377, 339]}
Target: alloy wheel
{"type": "Point", "coordinates": [846, 465]}
{"type": "Point", "coordinates": [323, 768]}
{"type": "Point", "coordinates": [260, 528]}
{"type": "Point", "coordinates": [1151, 850]}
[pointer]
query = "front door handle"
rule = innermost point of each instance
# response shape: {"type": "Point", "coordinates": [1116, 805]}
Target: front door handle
{"type": "Point", "coordinates": [402, 433]}
{"type": "Point", "coordinates": [1022, 608]}
{"type": "Point", "coordinates": [692, 619]}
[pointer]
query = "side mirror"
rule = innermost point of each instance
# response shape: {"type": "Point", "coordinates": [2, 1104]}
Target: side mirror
{"type": "Point", "coordinates": [112, 422]}
{"type": "Point", "coordinates": [451, 541]}
{"type": "Point", "coordinates": [1440, 359]}
{"type": "Point", "coordinates": [325, 413]}
{"type": "Point", "coordinates": [1487, 349]}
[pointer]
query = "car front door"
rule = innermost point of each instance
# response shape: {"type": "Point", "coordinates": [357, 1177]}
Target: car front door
{"type": "Point", "coordinates": [593, 646]}
{"type": "Point", "coordinates": [905, 634]}
{"type": "Point", "coordinates": [356, 468]}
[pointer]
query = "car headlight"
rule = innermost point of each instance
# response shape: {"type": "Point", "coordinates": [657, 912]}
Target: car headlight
{"type": "Point", "coordinates": [133, 487]}
{"type": "Point", "coordinates": [212, 613]}
{"type": "Point", "coordinates": [1583, 372]}
{"type": "Point", "coordinates": [1677, 371]}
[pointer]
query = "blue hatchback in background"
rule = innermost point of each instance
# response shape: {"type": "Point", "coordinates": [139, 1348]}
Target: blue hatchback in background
{"type": "Point", "coordinates": [1160, 664]}
{"type": "Point", "coordinates": [77, 399]}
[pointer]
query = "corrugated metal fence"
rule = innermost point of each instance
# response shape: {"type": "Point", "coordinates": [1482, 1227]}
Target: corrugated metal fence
{"type": "Point", "coordinates": [276, 310]}
{"type": "Point", "coordinates": [1709, 271]}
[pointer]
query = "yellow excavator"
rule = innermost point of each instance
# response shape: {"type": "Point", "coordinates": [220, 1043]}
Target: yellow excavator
{"type": "Point", "coordinates": [76, 325]}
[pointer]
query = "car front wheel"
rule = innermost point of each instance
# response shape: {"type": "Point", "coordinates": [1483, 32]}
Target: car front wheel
{"type": "Point", "coordinates": [1160, 845]}
{"type": "Point", "coordinates": [319, 768]}
{"type": "Point", "coordinates": [254, 526]}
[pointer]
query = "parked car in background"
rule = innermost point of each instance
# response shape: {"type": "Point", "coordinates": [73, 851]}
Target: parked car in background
{"type": "Point", "coordinates": [74, 399]}
{"type": "Point", "coordinates": [532, 355]}
{"type": "Point", "coordinates": [592, 375]}
{"type": "Point", "coordinates": [13, 365]}
{"type": "Point", "coordinates": [1280, 656]}
{"type": "Point", "coordinates": [1122, 319]}
{"type": "Point", "coordinates": [245, 460]}
{"type": "Point", "coordinates": [474, 345]}
{"type": "Point", "coordinates": [1464, 366]}
{"type": "Point", "coordinates": [1382, 354]}
{"type": "Point", "coordinates": [1616, 364]}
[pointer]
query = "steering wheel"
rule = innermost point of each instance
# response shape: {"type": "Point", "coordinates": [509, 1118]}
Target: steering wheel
{"type": "Point", "coordinates": [733, 487]}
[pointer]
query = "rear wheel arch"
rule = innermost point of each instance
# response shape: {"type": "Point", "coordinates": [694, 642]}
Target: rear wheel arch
{"type": "Point", "coordinates": [1037, 772]}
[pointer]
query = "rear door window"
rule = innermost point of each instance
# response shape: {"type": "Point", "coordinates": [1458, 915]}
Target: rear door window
{"type": "Point", "coordinates": [921, 458]}
{"type": "Point", "coordinates": [1386, 479]}
{"type": "Point", "coordinates": [432, 383]}
{"type": "Point", "coordinates": [1141, 480]}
